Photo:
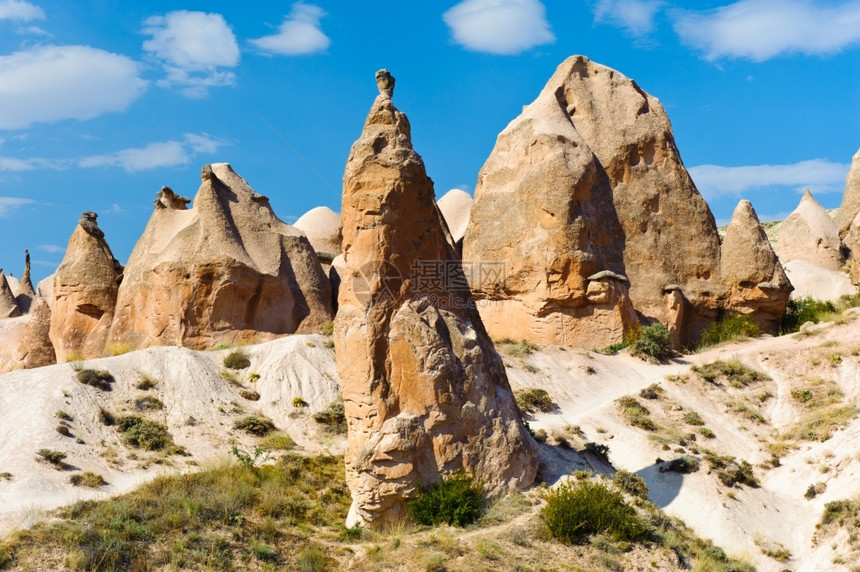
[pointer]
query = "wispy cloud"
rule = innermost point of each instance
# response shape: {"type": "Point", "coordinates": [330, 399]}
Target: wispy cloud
{"type": "Point", "coordinates": [9, 204]}
{"type": "Point", "coordinates": [20, 11]}
{"type": "Point", "coordinates": [635, 16]}
{"type": "Point", "coordinates": [299, 34]}
{"type": "Point", "coordinates": [52, 248]}
{"type": "Point", "coordinates": [47, 84]}
{"type": "Point", "coordinates": [499, 26]}
{"type": "Point", "coordinates": [16, 164]}
{"type": "Point", "coordinates": [155, 155]}
{"type": "Point", "coordinates": [762, 29]}
{"type": "Point", "coordinates": [193, 48]}
{"type": "Point", "coordinates": [819, 175]}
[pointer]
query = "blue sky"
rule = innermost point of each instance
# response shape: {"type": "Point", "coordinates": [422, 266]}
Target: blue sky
{"type": "Point", "coordinates": [103, 102]}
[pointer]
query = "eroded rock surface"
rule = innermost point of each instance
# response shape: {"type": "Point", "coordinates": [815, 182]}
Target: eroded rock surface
{"type": "Point", "coordinates": [225, 270]}
{"type": "Point", "coordinates": [24, 292]}
{"type": "Point", "coordinates": [84, 293]}
{"type": "Point", "coordinates": [810, 234]}
{"type": "Point", "coordinates": [850, 206]}
{"type": "Point", "coordinates": [322, 227]}
{"type": "Point", "coordinates": [456, 205]}
{"type": "Point", "coordinates": [8, 304]}
{"type": "Point", "coordinates": [755, 282]}
{"type": "Point", "coordinates": [852, 241]}
{"type": "Point", "coordinates": [425, 392]}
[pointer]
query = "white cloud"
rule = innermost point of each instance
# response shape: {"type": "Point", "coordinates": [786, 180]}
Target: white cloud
{"type": "Point", "coordinates": [192, 47]}
{"type": "Point", "coordinates": [299, 34]}
{"type": "Point", "coordinates": [52, 248]}
{"type": "Point", "coordinates": [159, 154]}
{"type": "Point", "coordinates": [763, 29]}
{"type": "Point", "coordinates": [635, 16]}
{"type": "Point", "coordinates": [20, 11]}
{"type": "Point", "coordinates": [9, 204]}
{"type": "Point", "coordinates": [499, 26]}
{"type": "Point", "coordinates": [113, 209]}
{"type": "Point", "coordinates": [819, 175]}
{"type": "Point", "coordinates": [32, 164]}
{"type": "Point", "coordinates": [50, 83]}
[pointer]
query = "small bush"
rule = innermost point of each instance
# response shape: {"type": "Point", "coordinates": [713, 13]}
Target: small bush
{"type": "Point", "coordinates": [255, 425]}
{"type": "Point", "coordinates": [60, 414]}
{"type": "Point", "coordinates": [733, 371]}
{"type": "Point", "coordinates": [706, 433]}
{"type": "Point", "coordinates": [653, 391]}
{"type": "Point", "coordinates": [106, 417]}
{"type": "Point", "coordinates": [573, 512]}
{"type": "Point", "coordinates": [63, 430]}
{"type": "Point", "coordinates": [456, 500]}
{"type": "Point", "coordinates": [96, 378]}
{"type": "Point", "coordinates": [798, 312]}
{"type": "Point", "coordinates": [733, 328]}
{"type": "Point", "coordinates": [654, 344]}
{"type": "Point", "coordinates": [513, 348]}
{"type": "Point", "coordinates": [685, 464]}
{"type": "Point", "coordinates": [630, 483]}
{"type": "Point", "coordinates": [333, 418]}
{"type": "Point", "coordinates": [87, 479]}
{"type": "Point", "coordinates": [693, 418]}
{"type": "Point", "coordinates": [312, 559]}
{"type": "Point", "coordinates": [144, 434]}
{"type": "Point", "coordinates": [635, 413]}
{"type": "Point", "coordinates": [249, 395]}
{"type": "Point", "coordinates": [598, 449]}
{"type": "Point", "coordinates": [731, 471]}
{"type": "Point", "coordinates": [840, 511]}
{"type": "Point", "coordinates": [534, 399]}
{"type": "Point", "coordinates": [145, 382]}
{"type": "Point", "coordinates": [820, 425]}
{"type": "Point", "coordinates": [277, 441]}
{"type": "Point", "coordinates": [237, 359]}
{"type": "Point", "coordinates": [148, 403]}
{"type": "Point", "coordinates": [327, 328]}
{"type": "Point", "coordinates": [55, 458]}
{"type": "Point", "coordinates": [299, 402]}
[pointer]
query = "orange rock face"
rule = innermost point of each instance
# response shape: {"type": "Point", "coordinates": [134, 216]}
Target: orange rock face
{"type": "Point", "coordinates": [84, 293]}
{"type": "Point", "coordinates": [226, 270]}
{"type": "Point", "coordinates": [425, 392]}
{"type": "Point", "coordinates": [755, 282]}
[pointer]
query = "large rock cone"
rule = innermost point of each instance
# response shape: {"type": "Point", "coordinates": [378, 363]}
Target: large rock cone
{"type": "Point", "coordinates": [8, 304]}
{"type": "Point", "coordinates": [850, 206]}
{"type": "Point", "coordinates": [755, 282]}
{"type": "Point", "coordinates": [425, 393]}
{"type": "Point", "coordinates": [810, 234]}
{"type": "Point", "coordinates": [84, 292]}
{"type": "Point", "coordinates": [226, 270]}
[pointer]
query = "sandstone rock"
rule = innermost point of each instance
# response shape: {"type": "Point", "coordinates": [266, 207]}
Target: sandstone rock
{"type": "Point", "coordinates": [755, 282]}
{"type": "Point", "coordinates": [84, 291]}
{"type": "Point", "coordinates": [852, 241]}
{"type": "Point", "coordinates": [24, 292]}
{"type": "Point", "coordinates": [590, 172]}
{"type": "Point", "coordinates": [225, 270]}
{"type": "Point", "coordinates": [813, 281]}
{"type": "Point", "coordinates": [8, 304]}
{"type": "Point", "coordinates": [35, 348]}
{"type": "Point", "coordinates": [425, 392]}
{"type": "Point", "coordinates": [322, 227]}
{"type": "Point", "coordinates": [810, 234]}
{"type": "Point", "coordinates": [456, 206]}
{"type": "Point", "coordinates": [850, 206]}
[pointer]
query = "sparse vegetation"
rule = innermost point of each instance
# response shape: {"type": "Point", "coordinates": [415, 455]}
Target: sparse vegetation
{"type": "Point", "coordinates": [731, 471]}
{"type": "Point", "coordinates": [578, 510]}
{"type": "Point", "coordinates": [635, 413]}
{"type": "Point", "coordinates": [333, 417]}
{"type": "Point", "coordinates": [820, 425]}
{"type": "Point", "coordinates": [277, 441]}
{"type": "Point", "coordinates": [733, 371]}
{"type": "Point", "coordinates": [457, 500]}
{"type": "Point", "coordinates": [299, 402]}
{"type": "Point", "coordinates": [731, 328]}
{"type": "Point", "coordinates": [145, 382]}
{"type": "Point", "coordinates": [630, 483]}
{"type": "Point", "coordinates": [598, 449]}
{"type": "Point", "coordinates": [148, 403]}
{"type": "Point", "coordinates": [534, 399]}
{"type": "Point", "coordinates": [513, 348]}
{"type": "Point", "coordinates": [653, 391]}
{"type": "Point", "coordinates": [327, 328]}
{"type": "Point", "coordinates": [95, 378]}
{"type": "Point", "coordinates": [840, 511]}
{"type": "Point", "coordinates": [249, 395]}
{"type": "Point", "coordinates": [63, 430]}
{"type": "Point", "coordinates": [255, 425]}
{"type": "Point", "coordinates": [106, 417]}
{"type": "Point", "coordinates": [654, 344]}
{"type": "Point", "coordinates": [693, 418]}
{"type": "Point", "coordinates": [684, 465]}
{"type": "Point", "coordinates": [798, 312]}
{"type": "Point", "coordinates": [55, 458]}
{"type": "Point", "coordinates": [60, 414]}
{"type": "Point", "coordinates": [143, 433]}
{"type": "Point", "coordinates": [237, 359]}
{"type": "Point", "coordinates": [87, 479]}
{"type": "Point", "coordinates": [706, 433]}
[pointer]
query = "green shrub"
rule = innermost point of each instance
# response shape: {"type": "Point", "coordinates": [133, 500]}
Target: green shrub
{"type": "Point", "coordinates": [249, 395]}
{"type": "Point", "coordinates": [237, 359]}
{"type": "Point", "coordinates": [732, 328]}
{"type": "Point", "coordinates": [333, 418]}
{"type": "Point", "coordinates": [87, 479]}
{"type": "Point", "coordinates": [653, 391]}
{"type": "Point", "coordinates": [63, 430]}
{"type": "Point", "coordinates": [534, 399]}
{"type": "Point", "coordinates": [706, 433]}
{"type": "Point", "coordinates": [693, 418]}
{"type": "Point", "coordinates": [96, 378]}
{"type": "Point", "coordinates": [684, 464]}
{"type": "Point", "coordinates": [277, 442]}
{"type": "Point", "coordinates": [456, 500]}
{"type": "Point", "coordinates": [327, 328]}
{"type": "Point", "coordinates": [521, 348]}
{"type": "Point", "coordinates": [55, 458]}
{"type": "Point", "coordinates": [654, 344]}
{"type": "Point", "coordinates": [798, 312]}
{"type": "Point", "coordinates": [737, 374]}
{"type": "Point", "coordinates": [255, 425]}
{"type": "Point", "coordinates": [731, 471]}
{"type": "Point", "coordinates": [60, 414]}
{"type": "Point", "coordinates": [598, 449]}
{"type": "Point", "coordinates": [106, 417]}
{"type": "Point", "coordinates": [573, 512]}
{"type": "Point", "coordinates": [145, 382]}
{"type": "Point", "coordinates": [839, 511]}
{"type": "Point", "coordinates": [148, 403]}
{"type": "Point", "coordinates": [635, 413]}
{"type": "Point", "coordinates": [630, 483]}
{"type": "Point", "coordinates": [144, 434]}
{"type": "Point", "coordinates": [299, 402]}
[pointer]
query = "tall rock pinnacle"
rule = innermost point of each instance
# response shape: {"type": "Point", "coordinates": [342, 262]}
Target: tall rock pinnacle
{"type": "Point", "coordinates": [425, 393]}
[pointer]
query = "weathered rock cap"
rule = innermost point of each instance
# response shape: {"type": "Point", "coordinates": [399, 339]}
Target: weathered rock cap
{"type": "Point", "coordinates": [167, 199]}
{"type": "Point", "coordinates": [609, 275]}
{"type": "Point", "coordinates": [385, 83]}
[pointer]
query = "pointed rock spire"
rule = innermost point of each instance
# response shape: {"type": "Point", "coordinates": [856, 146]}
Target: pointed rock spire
{"type": "Point", "coordinates": [8, 305]}
{"type": "Point", "coordinates": [810, 234]}
{"type": "Point", "coordinates": [25, 293]}
{"type": "Point", "coordinates": [755, 281]}
{"type": "Point", "coordinates": [850, 206]}
{"type": "Point", "coordinates": [425, 393]}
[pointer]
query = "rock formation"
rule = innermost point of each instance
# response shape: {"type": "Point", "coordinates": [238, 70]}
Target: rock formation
{"type": "Point", "coordinates": [35, 348]}
{"type": "Point", "coordinates": [456, 206]}
{"type": "Point", "coordinates": [852, 241]}
{"type": "Point", "coordinates": [225, 270]}
{"type": "Point", "coordinates": [8, 304]}
{"type": "Point", "coordinates": [755, 282]}
{"type": "Point", "coordinates": [590, 172]}
{"type": "Point", "coordinates": [24, 293]}
{"type": "Point", "coordinates": [84, 291]}
{"type": "Point", "coordinates": [850, 206]}
{"type": "Point", "coordinates": [322, 227]}
{"type": "Point", "coordinates": [810, 234]}
{"type": "Point", "coordinates": [812, 281]}
{"type": "Point", "coordinates": [425, 392]}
